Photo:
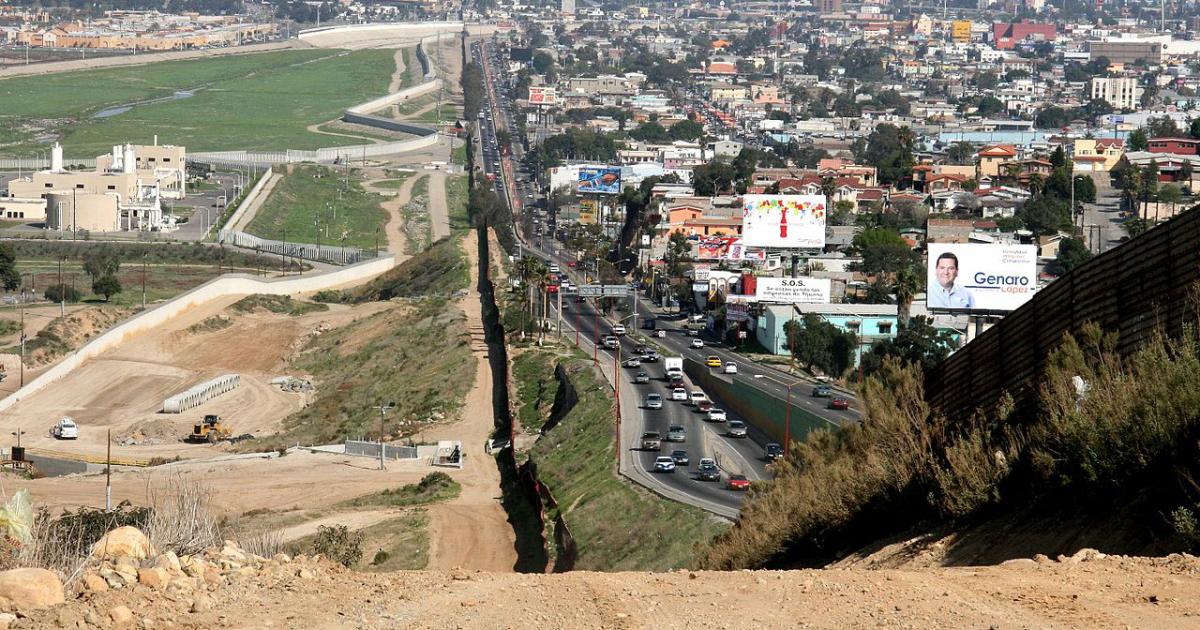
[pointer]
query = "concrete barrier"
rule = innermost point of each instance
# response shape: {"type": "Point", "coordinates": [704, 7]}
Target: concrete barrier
{"type": "Point", "coordinates": [248, 199]}
{"type": "Point", "coordinates": [226, 285]}
{"type": "Point", "coordinates": [201, 393]}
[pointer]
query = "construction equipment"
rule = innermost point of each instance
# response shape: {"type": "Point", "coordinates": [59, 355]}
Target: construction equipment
{"type": "Point", "coordinates": [210, 430]}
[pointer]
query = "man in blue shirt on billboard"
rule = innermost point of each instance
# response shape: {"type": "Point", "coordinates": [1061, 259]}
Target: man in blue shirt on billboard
{"type": "Point", "coordinates": [946, 294]}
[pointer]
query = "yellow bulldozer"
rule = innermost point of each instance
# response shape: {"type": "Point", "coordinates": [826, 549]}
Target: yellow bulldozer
{"type": "Point", "coordinates": [210, 430]}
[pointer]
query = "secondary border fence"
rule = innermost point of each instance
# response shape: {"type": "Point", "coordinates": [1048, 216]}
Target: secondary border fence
{"type": "Point", "coordinates": [371, 449]}
{"type": "Point", "coordinates": [41, 164]}
{"type": "Point", "coordinates": [304, 251]}
{"type": "Point", "coordinates": [1131, 290]}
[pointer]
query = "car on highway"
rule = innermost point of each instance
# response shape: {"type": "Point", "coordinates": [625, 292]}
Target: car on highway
{"type": "Point", "coordinates": [610, 342]}
{"type": "Point", "coordinates": [664, 465]}
{"type": "Point", "coordinates": [654, 401]}
{"type": "Point", "coordinates": [680, 394]}
{"type": "Point", "coordinates": [675, 433]}
{"type": "Point", "coordinates": [708, 471]}
{"type": "Point", "coordinates": [675, 381]}
{"type": "Point", "coordinates": [693, 332]}
{"type": "Point", "coordinates": [713, 361]}
{"type": "Point", "coordinates": [641, 349]}
{"type": "Point", "coordinates": [822, 391]}
{"type": "Point", "coordinates": [772, 452]}
{"type": "Point", "coordinates": [632, 363]}
{"type": "Point", "coordinates": [680, 457]}
{"type": "Point", "coordinates": [672, 372]}
{"type": "Point", "coordinates": [660, 333]}
{"type": "Point", "coordinates": [717, 415]}
{"type": "Point", "coordinates": [697, 397]}
{"type": "Point", "coordinates": [730, 367]}
{"type": "Point", "coordinates": [840, 404]}
{"type": "Point", "coordinates": [641, 378]}
{"type": "Point", "coordinates": [650, 356]}
{"type": "Point", "coordinates": [618, 329]}
{"type": "Point", "coordinates": [737, 482]}
{"type": "Point", "coordinates": [735, 429]}
{"type": "Point", "coordinates": [705, 406]}
{"type": "Point", "coordinates": [697, 343]}
{"type": "Point", "coordinates": [651, 441]}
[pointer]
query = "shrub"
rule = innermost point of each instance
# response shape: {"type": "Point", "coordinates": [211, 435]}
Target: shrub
{"type": "Point", "coordinates": [339, 544]}
{"type": "Point", "coordinates": [381, 556]}
{"type": "Point", "coordinates": [62, 292]}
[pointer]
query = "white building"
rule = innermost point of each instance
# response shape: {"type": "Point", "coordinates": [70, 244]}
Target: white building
{"type": "Point", "coordinates": [1120, 92]}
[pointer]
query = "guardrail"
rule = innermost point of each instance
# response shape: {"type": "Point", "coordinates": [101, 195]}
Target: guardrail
{"type": "Point", "coordinates": [88, 459]}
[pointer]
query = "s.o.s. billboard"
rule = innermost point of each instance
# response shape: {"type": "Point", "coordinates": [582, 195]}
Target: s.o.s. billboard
{"type": "Point", "coordinates": [980, 277]}
{"type": "Point", "coordinates": [788, 221]}
{"type": "Point", "coordinates": [793, 290]}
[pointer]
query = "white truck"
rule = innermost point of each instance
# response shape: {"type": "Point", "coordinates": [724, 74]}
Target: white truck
{"type": "Point", "coordinates": [674, 365]}
{"type": "Point", "coordinates": [66, 429]}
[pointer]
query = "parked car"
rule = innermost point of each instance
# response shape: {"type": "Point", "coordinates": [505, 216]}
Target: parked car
{"type": "Point", "coordinates": [664, 465]}
{"type": "Point", "coordinates": [822, 391]}
{"type": "Point", "coordinates": [651, 441]}
{"type": "Point", "coordinates": [675, 433]}
{"type": "Point", "coordinates": [697, 343]}
{"type": "Point", "coordinates": [730, 367]}
{"type": "Point", "coordinates": [737, 482]}
{"type": "Point", "coordinates": [680, 457]}
{"type": "Point", "coordinates": [696, 398]}
{"type": "Point", "coordinates": [838, 403]}
{"type": "Point", "coordinates": [717, 415]}
{"type": "Point", "coordinates": [641, 378]}
{"type": "Point", "coordinates": [773, 452]}
{"type": "Point", "coordinates": [708, 471]}
{"type": "Point", "coordinates": [632, 363]}
{"type": "Point", "coordinates": [735, 429]}
{"type": "Point", "coordinates": [680, 394]}
{"type": "Point", "coordinates": [713, 361]}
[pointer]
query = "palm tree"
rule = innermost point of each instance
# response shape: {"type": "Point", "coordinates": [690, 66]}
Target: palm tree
{"type": "Point", "coordinates": [908, 284]}
{"type": "Point", "coordinates": [828, 187]}
{"type": "Point", "coordinates": [531, 271]}
{"type": "Point", "coordinates": [1036, 183]}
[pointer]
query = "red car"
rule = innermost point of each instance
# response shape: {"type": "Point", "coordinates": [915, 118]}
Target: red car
{"type": "Point", "coordinates": [838, 403]}
{"type": "Point", "coordinates": [737, 482]}
{"type": "Point", "coordinates": [705, 407]}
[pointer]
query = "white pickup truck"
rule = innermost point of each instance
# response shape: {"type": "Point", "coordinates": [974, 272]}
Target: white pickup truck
{"type": "Point", "coordinates": [66, 429]}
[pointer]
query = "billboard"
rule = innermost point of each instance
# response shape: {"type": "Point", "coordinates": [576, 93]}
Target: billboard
{"type": "Point", "coordinates": [980, 277]}
{"type": "Point", "coordinates": [793, 290]}
{"type": "Point", "coordinates": [716, 246]}
{"type": "Point", "coordinates": [542, 96]}
{"type": "Point", "coordinates": [790, 221]}
{"type": "Point", "coordinates": [600, 180]}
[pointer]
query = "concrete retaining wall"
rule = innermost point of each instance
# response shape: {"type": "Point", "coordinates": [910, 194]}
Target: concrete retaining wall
{"type": "Point", "coordinates": [757, 407]}
{"type": "Point", "coordinates": [305, 251]}
{"type": "Point", "coordinates": [248, 199]}
{"type": "Point", "coordinates": [226, 285]}
{"type": "Point", "coordinates": [393, 98]}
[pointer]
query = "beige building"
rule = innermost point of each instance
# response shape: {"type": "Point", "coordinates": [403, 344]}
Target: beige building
{"type": "Point", "coordinates": [1097, 155]}
{"type": "Point", "coordinates": [165, 165]}
{"type": "Point", "coordinates": [1120, 92]}
{"type": "Point", "coordinates": [68, 212]}
{"type": "Point", "coordinates": [17, 209]}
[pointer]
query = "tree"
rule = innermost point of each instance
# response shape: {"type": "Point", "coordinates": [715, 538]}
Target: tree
{"type": "Point", "coordinates": [1170, 193]}
{"type": "Point", "coordinates": [100, 262]}
{"type": "Point", "coordinates": [989, 106]}
{"type": "Point", "coordinates": [686, 130]}
{"type": "Point", "coordinates": [1044, 214]}
{"type": "Point", "coordinates": [890, 149]}
{"type": "Point", "coordinates": [1085, 189]}
{"type": "Point", "coordinates": [961, 153]}
{"type": "Point", "coordinates": [1072, 252]}
{"type": "Point", "coordinates": [820, 345]}
{"type": "Point", "coordinates": [1136, 227]}
{"type": "Point", "coordinates": [62, 293]}
{"type": "Point", "coordinates": [909, 283]}
{"type": "Point", "coordinates": [531, 271]}
{"type": "Point", "coordinates": [712, 178]}
{"type": "Point", "coordinates": [920, 343]}
{"type": "Point", "coordinates": [1137, 140]}
{"type": "Point", "coordinates": [650, 132]}
{"type": "Point", "coordinates": [542, 62]}
{"type": "Point", "coordinates": [842, 213]}
{"type": "Point", "coordinates": [107, 286]}
{"type": "Point", "coordinates": [883, 252]}
{"type": "Point", "coordinates": [9, 275]}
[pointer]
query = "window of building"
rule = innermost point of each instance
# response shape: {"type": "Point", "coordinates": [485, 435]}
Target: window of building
{"type": "Point", "coordinates": [885, 328]}
{"type": "Point", "coordinates": [111, 187]}
{"type": "Point", "coordinates": [79, 185]}
{"type": "Point", "coordinates": [853, 326]}
{"type": "Point", "coordinates": [49, 185]}
{"type": "Point", "coordinates": [166, 159]}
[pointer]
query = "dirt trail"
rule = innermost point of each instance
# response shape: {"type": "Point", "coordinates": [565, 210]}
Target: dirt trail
{"type": "Point", "coordinates": [397, 78]}
{"type": "Point", "coordinates": [472, 531]}
{"type": "Point", "coordinates": [394, 230]}
{"type": "Point", "coordinates": [353, 519]}
{"type": "Point", "coordinates": [439, 211]}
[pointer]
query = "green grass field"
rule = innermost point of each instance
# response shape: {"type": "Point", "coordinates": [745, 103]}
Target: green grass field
{"type": "Point", "coordinates": [261, 101]}
{"type": "Point", "coordinates": [301, 194]}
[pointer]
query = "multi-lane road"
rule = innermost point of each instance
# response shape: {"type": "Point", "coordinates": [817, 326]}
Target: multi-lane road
{"type": "Point", "coordinates": [704, 439]}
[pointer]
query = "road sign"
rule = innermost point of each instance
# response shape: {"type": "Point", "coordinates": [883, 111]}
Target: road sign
{"type": "Point", "coordinates": [604, 290]}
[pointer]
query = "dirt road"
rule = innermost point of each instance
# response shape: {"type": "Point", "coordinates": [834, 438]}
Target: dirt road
{"type": "Point", "coordinates": [439, 212]}
{"type": "Point", "coordinates": [396, 241]}
{"type": "Point", "coordinates": [472, 531]}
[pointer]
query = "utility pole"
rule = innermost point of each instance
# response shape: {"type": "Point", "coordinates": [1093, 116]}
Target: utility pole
{"type": "Point", "coordinates": [62, 294]}
{"type": "Point", "coordinates": [382, 411]}
{"type": "Point", "coordinates": [22, 338]}
{"type": "Point", "coordinates": [108, 474]}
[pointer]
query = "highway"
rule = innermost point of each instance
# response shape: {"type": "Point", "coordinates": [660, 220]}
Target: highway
{"type": "Point", "coordinates": [704, 439]}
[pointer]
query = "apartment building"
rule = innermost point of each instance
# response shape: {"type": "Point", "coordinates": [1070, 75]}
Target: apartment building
{"type": "Point", "coordinates": [1121, 92]}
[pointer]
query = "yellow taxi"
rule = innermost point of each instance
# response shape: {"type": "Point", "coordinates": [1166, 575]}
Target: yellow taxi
{"type": "Point", "coordinates": [713, 361]}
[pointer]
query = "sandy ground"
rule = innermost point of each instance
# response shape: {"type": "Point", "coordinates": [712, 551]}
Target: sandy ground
{"type": "Point", "coordinates": [123, 389]}
{"type": "Point", "coordinates": [472, 531]}
{"type": "Point", "coordinates": [143, 59]}
{"type": "Point", "coordinates": [1108, 594]}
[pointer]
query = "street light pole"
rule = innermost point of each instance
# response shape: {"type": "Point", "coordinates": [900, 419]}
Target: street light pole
{"type": "Point", "coordinates": [787, 423]}
{"type": "Point", "coordinates": [144, 255]}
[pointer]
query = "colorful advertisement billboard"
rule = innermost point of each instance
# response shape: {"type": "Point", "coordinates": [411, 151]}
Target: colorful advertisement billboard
{"type": "Point", "coordinates": [715, 247]}
{"type": "Point", "coordinates": [793, 290]}
{"type": "Point", "coordinates": [542, 96]}
{"type": "Point", "coordinates": [980, 277]}
{"type": "Point", "coordinates": [600, 180]}
{"type": "Point", "coordinates": [787, 221]}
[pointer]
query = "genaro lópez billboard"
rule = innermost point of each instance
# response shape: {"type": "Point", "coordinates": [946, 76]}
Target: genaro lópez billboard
{"type": "Point", "coordinates": [600, 180]}
{"type": "Point", "coordinates": [980, 277]}
{"type": "Point", "coordinates": [788, 221]}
